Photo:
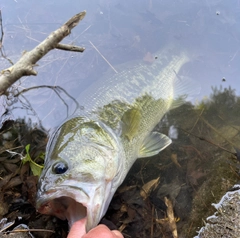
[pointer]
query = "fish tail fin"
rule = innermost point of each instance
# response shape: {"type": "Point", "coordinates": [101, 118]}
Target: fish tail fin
{"type": "Point", "coordinates": [185, 89]}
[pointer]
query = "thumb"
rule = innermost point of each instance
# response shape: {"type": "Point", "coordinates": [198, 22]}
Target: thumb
{"type": "Point", "coordinates": [117, 233]}
{"type": "Point", "coordinates": [78, 229]}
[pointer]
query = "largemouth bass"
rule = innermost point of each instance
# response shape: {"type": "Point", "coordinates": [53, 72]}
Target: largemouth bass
{"type": "Point", "coordinates": [90, 154]}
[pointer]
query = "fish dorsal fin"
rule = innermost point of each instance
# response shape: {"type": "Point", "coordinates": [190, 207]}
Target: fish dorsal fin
{"type": "Point", "coordinates": [131, 122]}
{"type": "Point", "coordinates": [153, 144]}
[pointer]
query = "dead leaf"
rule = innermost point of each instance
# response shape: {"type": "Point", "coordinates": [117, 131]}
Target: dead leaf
{"type": "Point", "coordinates": [170, 214]}
{"type": "Point", "coordinates": [122, 227]}
{"type": "Point", "coordinates": [3, 209]}
{"type": "Point", "coordinates": [175, 160]}
{"type": "Point", "coordinates": [4, 181]}
{"type": "Point", "coordinates": [123, 189]}
{"type": "Point", "coordinates": [195, 175]}
{"type": "Point", "coordinates": [148, 187]}
{"type": "Point", "coordinates": [13, 182]}
{"type": "Point", "coordinates": [149, 58]}
{"type": "Point", "coordinates": [10, 167]}
{"type": "Point", "coordinates": [29, 188]}
{"type": "Point", "coordinates": [131, 213]}
{"type": "Point", "coordinates": [123, 208]}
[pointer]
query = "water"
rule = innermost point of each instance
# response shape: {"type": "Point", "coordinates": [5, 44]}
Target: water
{"type": "Point", "coordinates": [124, 31]}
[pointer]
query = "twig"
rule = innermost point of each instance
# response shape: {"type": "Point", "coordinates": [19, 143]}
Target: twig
{"type": "Point", "coordinates": [85, 29]}
{"type": "Point", "coordinates": [25, 65]}
{"type": "Point", "coordinates": [197, 120]}
{"type": "Point", "coordinates": [103, 57]}
{"type": "Point", "coordinates": [171, 218]}
{"type": "Point", "coordinates": [2, 33]}
{"type": "Point", "coordinates": [70, 48]}
{"type": "Point", "coordinates": [152, 220]}
{"type": "Point", "coordinates": [216, 131]}
{"type": "Point", "coordinates": [56, 89]}
{"type": "Point", "coordinates": [229, 125]}
{"type": "Point", "coordinates": [1, 41]}
{"type": "Point", "coordinates": [28, 106]}
{"type": "Point", "coordinates": [210, 142]}
{"type": "Point", "coordinates": [28, 230]}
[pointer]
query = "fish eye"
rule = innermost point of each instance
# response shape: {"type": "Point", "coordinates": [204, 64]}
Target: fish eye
{"type": "Point", "coordinates": [60, 168]}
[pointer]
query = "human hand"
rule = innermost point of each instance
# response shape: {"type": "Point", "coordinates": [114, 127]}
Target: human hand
{"type": "Point", "coordinates": [101, 231]}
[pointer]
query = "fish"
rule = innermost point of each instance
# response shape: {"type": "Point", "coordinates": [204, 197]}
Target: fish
{"type": "Point", "coordinates": [91, 152]}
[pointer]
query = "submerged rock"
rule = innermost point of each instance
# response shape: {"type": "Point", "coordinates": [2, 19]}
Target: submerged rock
{"type": "Point", "coordinates": [226, 220]}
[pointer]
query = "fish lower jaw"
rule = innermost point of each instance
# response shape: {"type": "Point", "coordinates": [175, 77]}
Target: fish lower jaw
{"type": "Point", "coordinates": [64, 207]}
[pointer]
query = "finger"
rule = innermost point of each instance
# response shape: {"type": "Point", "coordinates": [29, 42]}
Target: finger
{"type": "Point", "coordinates": [118, 234]}
{"type": "Point", "coordinates": [102, 231]}
{"type": "Point", "coordinates": [78, 229]}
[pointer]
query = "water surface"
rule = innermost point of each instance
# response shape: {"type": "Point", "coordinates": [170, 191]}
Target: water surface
{"type": "Point", "coordinates": [125, 31]}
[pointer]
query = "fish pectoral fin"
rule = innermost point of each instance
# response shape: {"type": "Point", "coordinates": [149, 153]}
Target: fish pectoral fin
{"type": "Point", "coordinates": [153, 144]}
{"type": "Point", "coordinates": [131, 122]}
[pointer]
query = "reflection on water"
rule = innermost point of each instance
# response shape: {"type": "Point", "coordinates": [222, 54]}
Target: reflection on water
{"type": "Point", "coordinates": [191, 174]}
{"type": "Point", "coordinates": [125, 31]}
{"type": "Point", "coordinates": [195, 170]}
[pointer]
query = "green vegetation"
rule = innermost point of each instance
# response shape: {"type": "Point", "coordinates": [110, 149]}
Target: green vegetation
{"type": "Point", "coordinates": [35, 168]}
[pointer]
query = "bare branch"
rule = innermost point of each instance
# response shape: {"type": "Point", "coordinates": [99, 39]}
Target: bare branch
{"type": "Point", "coordinates": [69, 48]}
{"type": "Point", "coordinates": [25, 65]}
{"type": "Point", "coordinates": [1, 41]}
{"type": "Point", "coordinates": [2, 33]}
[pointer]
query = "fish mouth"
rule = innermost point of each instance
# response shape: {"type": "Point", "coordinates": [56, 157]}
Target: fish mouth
{"type": "Point", "coordinates": [63, 204]}
{"type": "Point", "coordinates": [88, 202]}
